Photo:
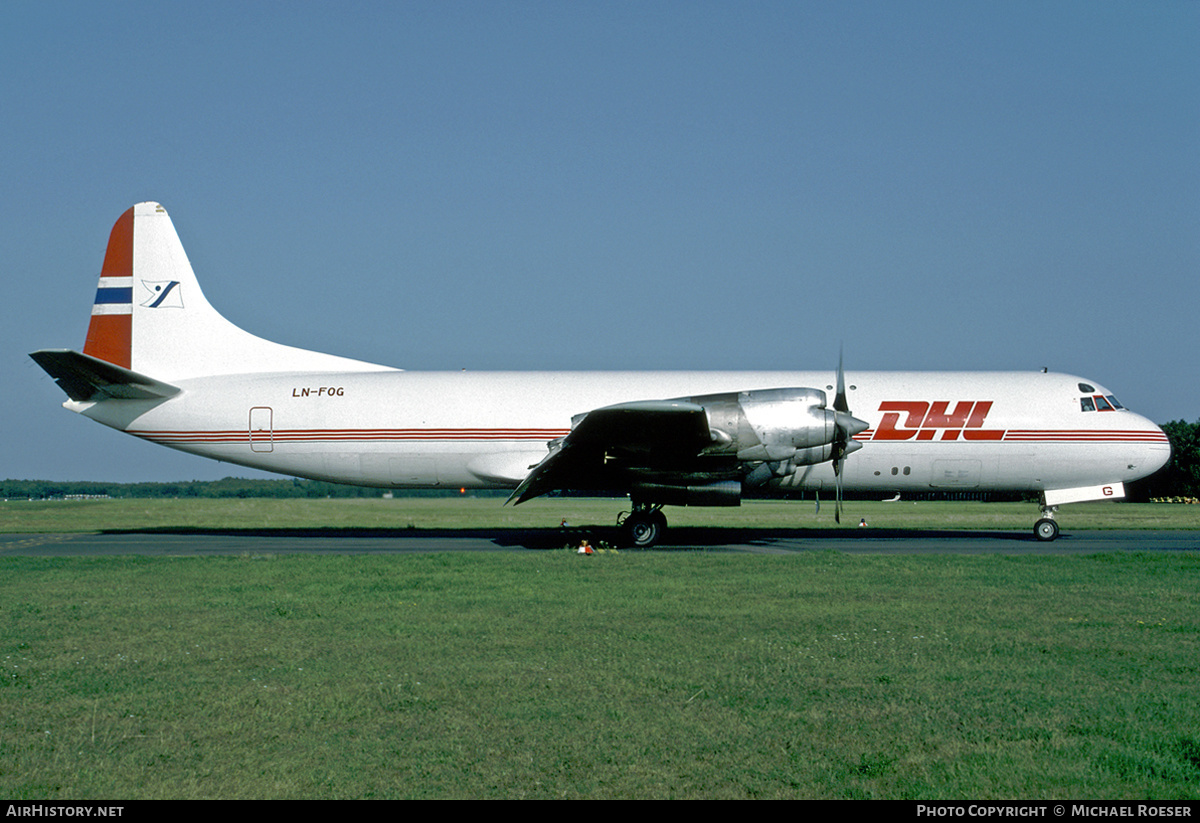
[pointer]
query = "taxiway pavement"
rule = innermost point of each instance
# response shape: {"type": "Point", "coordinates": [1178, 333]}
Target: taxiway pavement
{"type": "Point", "coordinates": [764, 541]}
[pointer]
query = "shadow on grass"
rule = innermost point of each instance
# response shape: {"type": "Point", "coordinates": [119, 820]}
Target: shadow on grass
{"type": "Point", "coordinates": [676, 538]}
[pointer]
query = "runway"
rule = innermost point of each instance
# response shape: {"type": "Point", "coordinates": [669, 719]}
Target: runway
{"type": "Point", "coordinates": [756, 541]}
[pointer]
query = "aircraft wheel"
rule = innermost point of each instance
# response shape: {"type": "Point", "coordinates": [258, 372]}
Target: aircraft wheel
{"type": "Point", "coordinates": [643, 530]}
{"type": "Point", "coordinates": [1045, 529]}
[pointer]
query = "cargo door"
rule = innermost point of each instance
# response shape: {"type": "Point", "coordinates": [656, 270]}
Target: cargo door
{"type": "Point", "coordinates": [262, 435]}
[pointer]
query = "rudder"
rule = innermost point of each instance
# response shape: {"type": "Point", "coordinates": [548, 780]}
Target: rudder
{"type": "Point", "coordinates": [109, 335]}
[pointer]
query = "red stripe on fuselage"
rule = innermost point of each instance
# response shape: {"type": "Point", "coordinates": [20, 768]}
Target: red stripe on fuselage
{"type": "Point", "coordinates": [358, 435]}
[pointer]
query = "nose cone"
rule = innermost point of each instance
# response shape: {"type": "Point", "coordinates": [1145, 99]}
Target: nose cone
{"type": "Point", "coordinates": [1151, 448]}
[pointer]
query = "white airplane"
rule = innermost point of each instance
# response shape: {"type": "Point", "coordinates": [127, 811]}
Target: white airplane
{"type": "Point", "coordinates": [161, 364]}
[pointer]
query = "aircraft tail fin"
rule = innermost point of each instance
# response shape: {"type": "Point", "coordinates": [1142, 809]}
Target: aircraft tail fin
{"type": "Point", "coordinates": [151, 318]}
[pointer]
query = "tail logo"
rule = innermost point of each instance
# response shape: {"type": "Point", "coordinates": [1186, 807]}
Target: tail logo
{"type": "Point", "coordinates": [163, 294]}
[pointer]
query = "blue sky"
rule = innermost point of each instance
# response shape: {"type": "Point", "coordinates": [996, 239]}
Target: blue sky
{"type": "Point", "coordinates": [576, 185]}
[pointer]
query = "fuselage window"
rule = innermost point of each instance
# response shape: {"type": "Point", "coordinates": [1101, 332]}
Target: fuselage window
{"type": "Point", "coordinates": [1086, 404]}
{"type": "Point", "coordinates": [1086, 389]}
{"type": "Point", "coordinates": [1102, 404]}
{"type": "Point", "coordinates": [1114, 402]}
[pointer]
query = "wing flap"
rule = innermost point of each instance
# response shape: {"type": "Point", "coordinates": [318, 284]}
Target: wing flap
{"type": "Point", "coordinates": [85, 378]}
{"type": "Point", "coordinates": [648, 432]}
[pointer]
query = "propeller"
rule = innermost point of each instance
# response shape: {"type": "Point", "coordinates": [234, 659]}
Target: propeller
{"type": "Point", "coordinates": [846, 426]}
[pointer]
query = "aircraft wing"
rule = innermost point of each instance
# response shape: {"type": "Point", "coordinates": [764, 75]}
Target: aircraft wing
{"type": "Point", "coordinates": [84, 377]}
{"type": "Point", "coordinates": [648, 433]}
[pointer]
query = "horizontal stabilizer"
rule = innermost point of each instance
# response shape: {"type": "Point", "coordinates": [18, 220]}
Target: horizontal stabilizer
{"type": "Point", "coordinates": [84, 377]}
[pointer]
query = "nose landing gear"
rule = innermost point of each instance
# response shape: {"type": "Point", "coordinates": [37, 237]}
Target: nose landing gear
{"type": "Point", "coordinates": [1046, 529]}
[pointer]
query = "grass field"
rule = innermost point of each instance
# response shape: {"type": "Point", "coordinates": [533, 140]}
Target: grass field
{"type": "Point", "coordinates": [629, 674]}
{"type": "Point", "coordinates": [483, 513]}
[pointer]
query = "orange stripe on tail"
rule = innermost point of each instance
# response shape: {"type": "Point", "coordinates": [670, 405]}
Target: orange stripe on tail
{"type": "Point", "coordinates": [109, 335]}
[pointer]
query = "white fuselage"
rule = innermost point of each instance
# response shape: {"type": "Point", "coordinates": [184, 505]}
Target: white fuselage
{"type": "Point", "coordinates": [929, 431]}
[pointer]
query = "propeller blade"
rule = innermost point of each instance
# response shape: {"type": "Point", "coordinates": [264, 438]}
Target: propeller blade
{"type": "Point", "coordinates": [847, 426]}
{"type": "Point", "coordinates": [839, 401]}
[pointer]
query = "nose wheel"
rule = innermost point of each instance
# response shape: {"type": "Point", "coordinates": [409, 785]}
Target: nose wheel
{"type": "Point", "coordinates": [1046, 529]}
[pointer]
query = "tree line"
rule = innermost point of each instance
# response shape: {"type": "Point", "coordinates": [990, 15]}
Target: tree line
{"type": "Point", "coordinates": [228, 487]}
{"type": "Point", "coordinates": [1181, 476]}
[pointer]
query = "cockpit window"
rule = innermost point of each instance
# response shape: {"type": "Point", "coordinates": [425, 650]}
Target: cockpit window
{"type": "Point", "coordinates": [1099, 402]}
{"type": "Point", "coordinates": [1086, 389]}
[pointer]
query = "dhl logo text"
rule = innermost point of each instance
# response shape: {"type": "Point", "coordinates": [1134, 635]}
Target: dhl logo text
{"type": "Point", "coordinates": [921, 420]}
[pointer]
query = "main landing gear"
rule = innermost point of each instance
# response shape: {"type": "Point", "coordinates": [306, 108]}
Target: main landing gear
{"type": "Point", "coordinates": [644, 526]}
{"type": "Point", "coordinates": [1046, 529]}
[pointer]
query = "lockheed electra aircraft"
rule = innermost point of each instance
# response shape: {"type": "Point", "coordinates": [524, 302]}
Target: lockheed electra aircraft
{"type": "Point", "coordinates": [161, 364]}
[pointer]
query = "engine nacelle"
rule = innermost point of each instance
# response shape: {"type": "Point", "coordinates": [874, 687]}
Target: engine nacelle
{"type": "Point", "coordinates": [721, 493]}
{"type": "Point", "coordinates": [784, 426]}
{"type": "Point", "coordinates": [788, 424]}
{"type": "Point", "coordinates": [756, 437]}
